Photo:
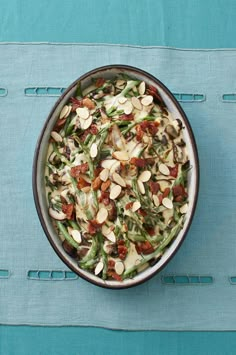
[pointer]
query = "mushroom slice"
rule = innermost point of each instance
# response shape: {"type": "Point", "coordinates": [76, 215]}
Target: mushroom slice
{"type": "Point", "coordinates": [59, 216]}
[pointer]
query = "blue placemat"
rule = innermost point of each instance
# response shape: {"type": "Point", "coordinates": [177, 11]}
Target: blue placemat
{"type": "Point", "coordinates": [196, 290]}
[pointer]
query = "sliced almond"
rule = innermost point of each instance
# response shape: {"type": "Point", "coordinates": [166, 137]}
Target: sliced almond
{"type": "Point", "coordinates": [115, 192]}
{"type": "Point", "coordinates": [83, 112]}
{"type": "Point", "coordinates": [167, 203]}
{"type": "Point", "coordinates": [183, 209]}
{"type": "Point", "coordinates": [107, 164]}
{"type": "Point", "coordinates": [98, 268]}
{"type": "Point", "coordinates": [56, 136]}
{"type": "Point", "coordinates": [156, 200]}
{"type": "Point", "coordinates": [85, 124]}
{"type": "Point", "coordinates": [94, 150]}
{"type": "Point", "coordinates": [76, 235]}
{"type": "Point", "coordinates": [119, 267]}
{"type": "Point", "coordinates": [59, 216]}
{"type": "Point", "coordinates": [121, 155]}
{"type": "Point", "coordinates": [128, 107]}
{"type": "Point", "coordinates": [64, 111]}
{"type": "Point", "coordinates": [145, 176]}
{"type": "Point", "coordinates": [164, 169]}
{"type": "Point", "coordinates": [136, 206]}
{"type": "Point", "coordinates": [102, 215]}
{"type": "Point", "coordinates": [122, 99]}
{"type": "Point", "coordinates": [105, 230]}
{"type": "Point", "coordinates": [111, 236]}
{"type": "Point", "coordinates": [141, 187]}
{"type": "Point", "coordinates": [86, 189]}
{"type": "Point", "coordinates": [118, 179]}
{"type": "Point", "coordinates": [104, 174]}
{"type": "Point", "coordinates": [115, 167]}
{"type": "Point", "coordinates": [147, 100]}
{"type": "Point", "coordinates": [120, 83]}
{"type": "Point", "coordinates": [136, 103]}
{"type": "Point", "coordinates": [142, 88]}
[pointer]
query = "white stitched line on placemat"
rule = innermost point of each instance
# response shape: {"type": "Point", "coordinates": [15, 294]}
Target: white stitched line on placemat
{"type": "Point", "coordinates": [4, 274]}
{"type": "Point", "coordinates": [3, 92]}
{"type": "Point", "coordinates": [187, 97]}
{"type": "Point", "coordinates": [230, 98]}
{"type": "Point", "coordinates": [184, 280]}
{"type": "Point", "coordinates": [51, 275]}
{"type": "Point", "coordinates": [44, 91]}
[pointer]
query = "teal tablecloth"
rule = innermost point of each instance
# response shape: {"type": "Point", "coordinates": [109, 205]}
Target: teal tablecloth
{"type": "Point", "coordinates": [193, 23]}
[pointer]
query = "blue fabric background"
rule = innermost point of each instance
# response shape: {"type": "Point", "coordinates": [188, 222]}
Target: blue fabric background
{"type": "Point", "coordinates": [192, 23]}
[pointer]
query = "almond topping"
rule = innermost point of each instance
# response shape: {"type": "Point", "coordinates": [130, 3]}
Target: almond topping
{"type": "Point", "coordinates": [142, 88]}
{"type": "Point", "coordinates": [107, 164]}
{"type": "Point", "coordinates": [183, 209]}
{"type": "Point", "coordinates": [93, 150]}
{"type": "Point", "coordinates": [136, 103]}
{"type": "Point", "coordinates": [98, 268]}
{"type": "Point", "coordinates": [102, 215]}
{"type": "Point", "coordinates": [156, 200]}
{"type": "Point", "coordinates": [111, 236]}
{"type": "Point", "coordinates": [86, 189]}
{"type": "Point", "coordinates": [104, 174]}
{"type": "Point", "coordinates": [86, 123]}
{"type": "Point", "coordinates": [147, 100]}
{"type": "Point", "coordinates": [136, 206]}
{"type": "Point", "coordinates": [115, 192]}
{"type": "Point", "coordinates": [83, 112]}
{"type": "Point", "coordinates": [164, 169]}
{"type": "Point", "coordinates": [121, 155]}
{"type": "Point", "coordinates": [128, 107]}
{"type": "Point", "coordinates": [119, 267]}
{"type": "Point", "coordinates": [167, 203]}
{"type": "Point", "coordinates": [56, 136]}
{"type": "Point", "coordinates": [118, 179]}
{"type": "Point", "coordinates": [64, 112]}
{"type": "Point", "coordinates": [76, 236]}
{"type": "Point", "coordinates": [141, 187]}
{"type": "Point", "coordinates": [145, 176]}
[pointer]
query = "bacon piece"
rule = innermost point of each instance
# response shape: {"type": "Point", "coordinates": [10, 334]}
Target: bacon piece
{"type": "Point", "coordinates": [174, 171]}
{"type": "Point", "coordinates": [114, 275]}
{"type": "Point", "coordinates": [96, 184]}
{"type": "Point", "coordinates": [139, 162]}
{"type": "Point", "coordinates": [76, 170]}
{"type": "Point", "coordinates": [125, 117]}
{"type": "Point", "coordinates": [82, 183]}
{"type": "Point", "coordinates": [154, 187]}
{"type": "Point", "coordinates": [68, 210]}
{"type": "Point", "coordinates": [75, 104]}
{"type": "Point", "coordinates": [144, 248]}
{"type": "Point", "coordinates": [88, 103]}
{"type": "Point", "coordinates": [129, 205]}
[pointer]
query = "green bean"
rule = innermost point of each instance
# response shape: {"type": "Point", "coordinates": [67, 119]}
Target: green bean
{"type": "Point", "coordinates": [160, 249]}
{"type": "Point", "coordinates": [87, 155]}
{"type": "Point", "coordinates": [92, 252]}
{"type": "Point", "coordinates": [147, 118]}
{"type": "Point", "coordinates": [66, 235]}
{"type": "Point", "coordinates": [61, 156]}
{"type": "Point", "coordinates": [130, 84]}
{"type": "Point", "coordinates": [104, 257]}
{"type": "Point", "coordinates": [74, 225]}
{"type": "Point", "coordinates": [89, 264]}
